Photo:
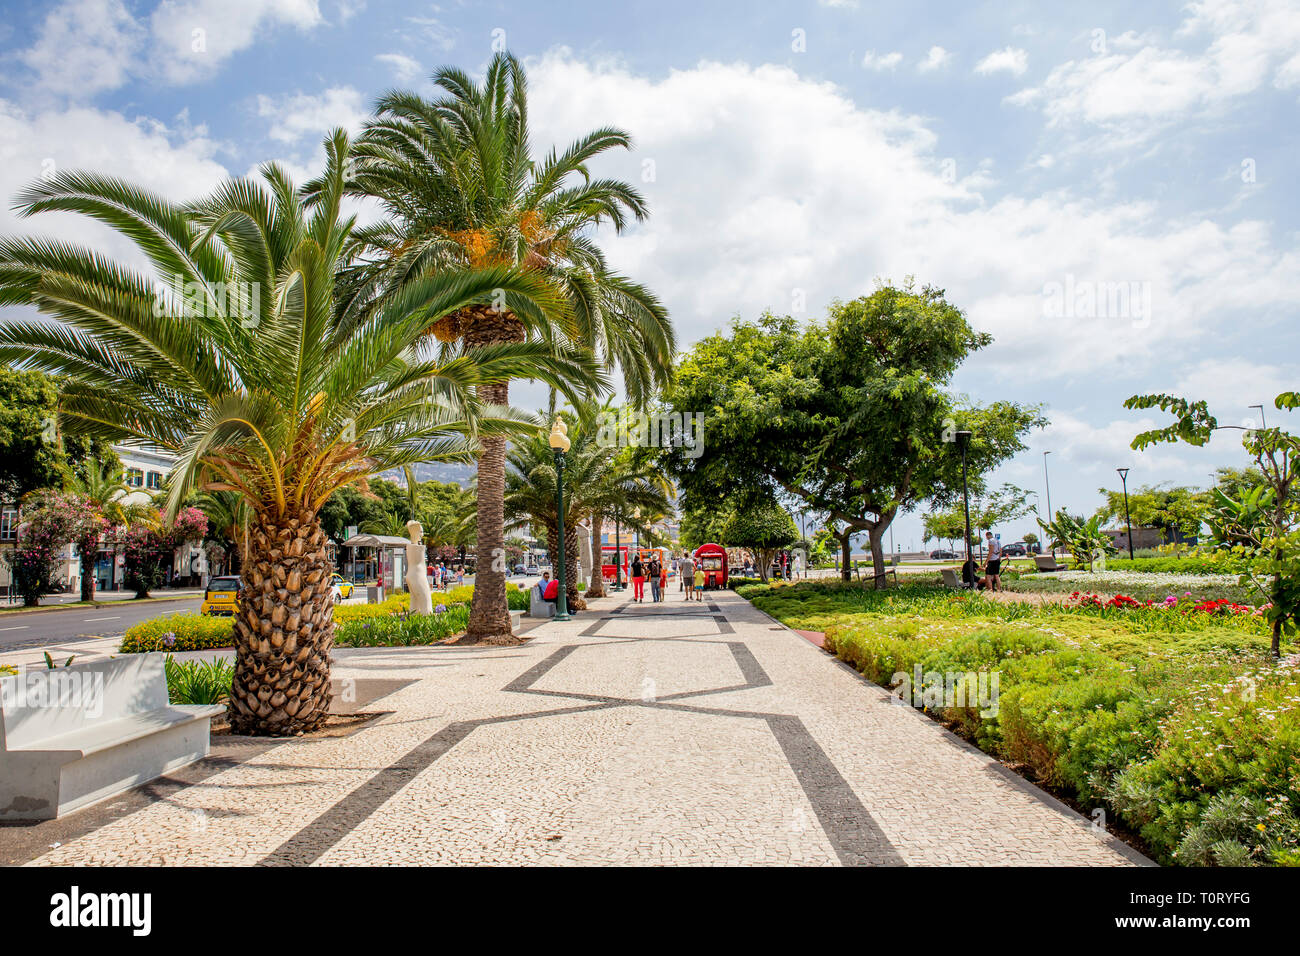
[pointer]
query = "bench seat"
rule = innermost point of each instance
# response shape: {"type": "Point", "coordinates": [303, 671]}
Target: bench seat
{"type": "Point", "coordinates": [76, 735]}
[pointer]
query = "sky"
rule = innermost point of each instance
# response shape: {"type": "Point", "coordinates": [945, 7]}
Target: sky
{"type": "Point", "coordinates": [1108, 189]}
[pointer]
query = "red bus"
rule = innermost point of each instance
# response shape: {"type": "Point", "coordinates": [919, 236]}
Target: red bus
{"type": "Point", "coordinates": [712, 560]}
{"type": "Point", "coordinates": [608, 562]}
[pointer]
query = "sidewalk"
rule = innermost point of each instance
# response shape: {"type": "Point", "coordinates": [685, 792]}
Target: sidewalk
{"type": "Point", "coordinates": [673, 733]}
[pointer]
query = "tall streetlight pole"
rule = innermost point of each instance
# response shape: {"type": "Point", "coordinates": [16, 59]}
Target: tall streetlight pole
{"type": "Point", "coordinates": [560, 444]}
{"type": "Point", "coordinates": [963, 440]}
{"type": "Point", "coordinates": [618, 552]}
{"type": "Point", "coordinates": [1128, 522]}
{"type": "Point", "coordinates": [1048, 485]}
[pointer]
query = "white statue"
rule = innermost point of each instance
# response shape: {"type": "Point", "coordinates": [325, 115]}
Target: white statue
{"type": "Point", "coordinates": [417, 570]}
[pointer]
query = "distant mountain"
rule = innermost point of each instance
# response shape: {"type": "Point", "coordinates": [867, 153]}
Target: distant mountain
{"type": "Point", "coordinates": [462, 475]}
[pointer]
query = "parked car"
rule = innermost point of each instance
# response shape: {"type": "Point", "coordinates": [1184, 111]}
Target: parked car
{"type": "Point", "coordinates": [219, 596]}
{"type": "Point", "coordinates": [341, 587]}
{"type": "Point", "coordinates": [941, 554]}
{"type": "Point", "coordinates": [1015, 549]}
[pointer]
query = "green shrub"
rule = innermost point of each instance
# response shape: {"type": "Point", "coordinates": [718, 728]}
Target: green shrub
{"type": "Point", "coordinates": [199, 682]}
{"type": "Point", "coordinates": [402, 630]}
{"type": "Point", "coordinates": [1178, 720]}
{"type": "Point", "coordinates": [179, 632]}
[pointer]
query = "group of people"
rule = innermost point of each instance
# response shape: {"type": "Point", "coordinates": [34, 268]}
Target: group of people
{"type": "Point", "coordinates": [652, 571]}
{"type": "Point", "coordinates": [441, 576]}
{"type": "Point", "coordinates": [992, 576]}
{"type": "Point", "coordinates": [690, 578]}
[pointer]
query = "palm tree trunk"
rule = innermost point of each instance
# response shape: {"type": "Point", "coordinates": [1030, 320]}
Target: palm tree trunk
{"type": "Point", "coordinates": [489, 614]}
{"type": "Point", "coordinates": [571, 545]}
{"type": "Point", "coordinates": [596, 586]}
{"type": "Point", "coordinates": [284, 630]}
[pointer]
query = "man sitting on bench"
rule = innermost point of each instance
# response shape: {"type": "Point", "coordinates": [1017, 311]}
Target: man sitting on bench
{"type": "Point", "coordinates": [550, 587]}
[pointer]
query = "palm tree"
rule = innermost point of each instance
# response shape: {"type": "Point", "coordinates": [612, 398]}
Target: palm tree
{"type": "Point", "coordinates": [230, 516]}
{"type": "Point", "coordinates": [254, 378]}
{"type": "Point", "coordinates": [464, 191]}
{"type": "Point", "coordinates": [628, 487]}
{"type": "Point", "coordinates": [597, 480]}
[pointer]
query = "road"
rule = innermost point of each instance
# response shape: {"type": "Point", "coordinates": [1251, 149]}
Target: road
{"type": "Point", "coordinates": [20, 628]}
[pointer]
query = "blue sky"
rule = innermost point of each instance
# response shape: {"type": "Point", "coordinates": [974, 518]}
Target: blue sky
{"type": "Point", "coordinates": [794, 153]}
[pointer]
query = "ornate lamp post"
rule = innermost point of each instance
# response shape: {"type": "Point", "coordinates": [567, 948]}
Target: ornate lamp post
{"type": "Point", "coordinates": [559, 445]}
{"type": "Point", "coordinates": [963, 441]}
{"type": "Point", "coordinates": [1128, 522]}
{"type": "Point", "coordinates": [618, 552]}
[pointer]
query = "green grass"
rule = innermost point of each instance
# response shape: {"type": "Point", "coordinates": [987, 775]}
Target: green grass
{"type": "Point", "coordinates": [199, 682]}
{"type": "Point", "coordinates": [1177, 721]}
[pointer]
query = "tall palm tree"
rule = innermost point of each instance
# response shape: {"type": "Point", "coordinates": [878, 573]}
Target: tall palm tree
{"type": "Point", "coordinates": [254, 378]}
{"type": "Point", "coordinates": [465, 191]}
{"type": "Point", "coordinates": [595, 483]}
{"type": "Point", "coordinates": [628, 487]}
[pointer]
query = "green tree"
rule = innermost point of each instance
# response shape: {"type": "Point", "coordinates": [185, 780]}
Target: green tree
{"type": "Point", "coordinates": [1176, 511]}
{"type": "Point", "coordinates": [276, 392]}
{"type": "Point", "coordinates": [34, 453]}
{"type": "Point", "coordinates": [762, 526]}
{"type": "Point", "coordinates": [1262, 523]}
{"type": "Point", "coordinates": [852, 416]}
{"type": "Point", "coordinates": [464, 191]}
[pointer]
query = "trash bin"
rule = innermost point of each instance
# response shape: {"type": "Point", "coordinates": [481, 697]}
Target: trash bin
{"type": "Point", "coordinates": [374, 594]}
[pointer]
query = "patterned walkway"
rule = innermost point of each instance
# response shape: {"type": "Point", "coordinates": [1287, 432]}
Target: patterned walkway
{"type": "Point", "coordinates": [637, 733]}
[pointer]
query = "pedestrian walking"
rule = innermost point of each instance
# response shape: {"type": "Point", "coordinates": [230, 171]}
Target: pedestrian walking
{"type": "Point", "coordinates": [687, 583]}
{"type": "Point", "coordinates": [638, 579]}
{"type": "Point", "coordinates": [655, 570]}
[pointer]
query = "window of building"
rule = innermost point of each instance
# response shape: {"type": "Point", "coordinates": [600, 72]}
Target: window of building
{"type": "Point", "coordinates": [9, 524]}
{"type": "Point", "coordinates": [134, 477]}
{"type": "Point", "coordinates": [155, 480]}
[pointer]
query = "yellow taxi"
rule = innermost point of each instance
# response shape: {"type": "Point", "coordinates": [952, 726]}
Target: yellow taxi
{"type": "Point", "coordinates": [342, 588]}
{"type": "Point", "coordinates": [219, 597]}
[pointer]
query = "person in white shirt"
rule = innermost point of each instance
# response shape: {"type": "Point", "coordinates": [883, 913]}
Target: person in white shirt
{"type": "Point", "coordinates": [993, 569]}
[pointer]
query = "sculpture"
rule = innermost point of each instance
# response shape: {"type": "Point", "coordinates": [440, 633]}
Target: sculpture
{"type": "Point", "coordinates": [417, 570]}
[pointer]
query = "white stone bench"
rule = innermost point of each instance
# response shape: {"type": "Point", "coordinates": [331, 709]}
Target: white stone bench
{"type": "Point", "coordinates": [74, 735]}
{"type": "Point", "coordinates": [537, 605]}
{"type": "Point", "coordinates": [1046, 562]}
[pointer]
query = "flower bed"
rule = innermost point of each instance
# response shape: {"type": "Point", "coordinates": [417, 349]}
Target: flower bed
{"type": "Point", "coordinates": [178, 632]}
{"type": "Point", "coordinates": [1172, 717]}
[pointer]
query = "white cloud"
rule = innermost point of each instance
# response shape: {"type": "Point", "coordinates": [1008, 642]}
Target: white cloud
{"type": "Point", "coordinates": [1136, 84]}
{"type": "Point", "coordinates": [936, 58]}
{"type": "Point", "coordinates": [1007, 60]}
{"type": "Point", "coordinates": [194, 37]}
{"type": "Point", "coordinates": [745, 154]}
{"type": "Point", "coordinates": [178, 162]}
{"type": "Point", "coordinates": [435, 31]}
{"type": "Point", "coordinates": [879, 63]}
{"type": "Point", "coordinates": [84, 47]}
{"type": "Point", "coordinates": [301, 115]}
{"type": "Point", "coordinates": [405, 69]}
{"type": "Point", "coordinates": [842, 4]}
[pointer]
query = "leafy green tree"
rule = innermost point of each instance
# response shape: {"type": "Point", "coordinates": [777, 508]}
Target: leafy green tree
{"type": "Point", "coordinates": [1176, 511]}
{"type": "Point", "coordinates": [1082, 536]}
{"type": "Point", "coordinates": [762, 526]}
{"type": "Point", "coordinates": [1261, 523]}
{"type": "Point", "coordinates": [34, 453]}
{"type": "Point", "coordinates": [464, 190]}
{"type": "Point", "coordinates": [275, 390]}
{"type": "Point", "coordinates": [851, 416]}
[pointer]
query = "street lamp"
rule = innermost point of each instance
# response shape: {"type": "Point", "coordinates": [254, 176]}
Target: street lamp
{"type": "Point", "coordinates": [1261, 414]}
{"type": "Point", "coordinates": [618, 553]}
{"type": "Point", "coordinates": [1048, 484]}
{"type": "Point", "coordinates": [559, 445]}
{"type": "Point", "coordinates": [963, 441]}
{"type": "Point", "coordinates": [1128, 522]}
